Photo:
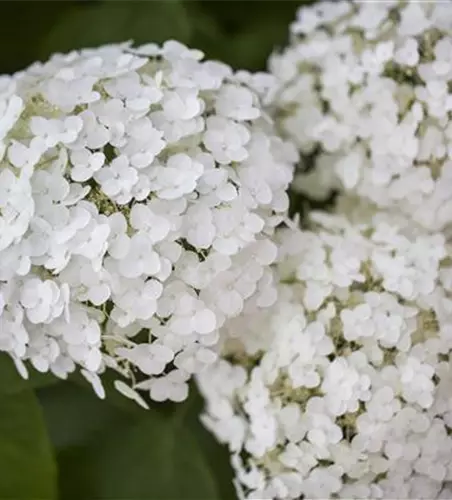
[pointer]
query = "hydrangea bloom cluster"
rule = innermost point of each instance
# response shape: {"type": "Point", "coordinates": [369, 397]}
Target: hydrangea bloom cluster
{"type": "Point", "coordinates": [365, 93]}
{"type": "Point", "coordinates": [139, 188]}
{"type": "Point", "coordinates": [342, 388]}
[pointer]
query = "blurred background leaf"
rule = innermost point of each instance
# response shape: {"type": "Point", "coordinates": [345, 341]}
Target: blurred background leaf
{"type": "Point", "coordinates": [25, 25]}
{"type": "Point", "coordinates": [91, 25]}
{"type": "Point", "coordinates": [105, 452]}
{"type": "Point", "coordinates": [26, 459]}
{"type": "Point", "coordinates": [239, 32]}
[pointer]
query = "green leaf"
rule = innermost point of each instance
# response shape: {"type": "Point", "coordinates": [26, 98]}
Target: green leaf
{"type": "Point", "coordinates": [107, 452]}
{"type": "Point", "coordinates": [76, 416]}
{"type": "Point", "coordinates": [208, 33]}
{"type": "Point", "coordinates": [113, 397]}
{"type": "Point", "coordinates": [218, 455]}
{"type": "Point", "coordinates": [155, 458]}
{"type": "Point", "coordinates": [251, 48]}
{"type": "Point", "coordinates": [38, 380]}
{"type": "Point", "coordinates": [91, 25]}
{"type": "Point", "coordinates": [26, 461]}
{"type": "Point", "coordinates": [20, 47]}
{"type": "Point", "coordinates": [251, 11]}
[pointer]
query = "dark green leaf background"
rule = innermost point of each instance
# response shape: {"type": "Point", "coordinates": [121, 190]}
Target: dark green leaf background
{"type": "Point", "coordinates": [241, 33]}
{"type": "Point", "coordinates": [57, 439]}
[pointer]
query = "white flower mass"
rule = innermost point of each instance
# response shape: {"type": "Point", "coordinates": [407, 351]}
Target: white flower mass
{"type": "Point", "coordinates": [365, 94]}
{"type": "Point", "coordinates": [139, 189]}
{"type": "Point", "coordinates": [144, 228]}
{"type": "Point", "coordinates": [343, 388]}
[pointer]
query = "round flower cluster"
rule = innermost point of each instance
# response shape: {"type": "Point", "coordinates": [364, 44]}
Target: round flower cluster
{"type": "Point", "coordinates": [365, 93]}
{"type": "Point", "coordinates": [342, 389]}
{"type": "Point", "coordinates": [139, 189]}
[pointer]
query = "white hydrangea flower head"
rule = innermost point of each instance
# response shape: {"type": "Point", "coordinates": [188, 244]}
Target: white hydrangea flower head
{"type": "Point", "coordinates": [365, 93]}
{"type": "Point", "coordinates": [139, 189]}
{"type": "Point", "coordinates": [342, 389]}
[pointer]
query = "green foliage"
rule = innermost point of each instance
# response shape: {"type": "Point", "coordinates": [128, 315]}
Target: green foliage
{"type": "Point", "coordinates": [113, 449]}
{"type": "Point", "coordinates": [95, 24]}
{"type": "Point", "coordinates": [105, 452]}
{"type": "Point", "coordinates": [26, 460]}
{"type": "Point", "coordinates": [19, 46]}
{"type": "Point", "coordinates": [239, 32]}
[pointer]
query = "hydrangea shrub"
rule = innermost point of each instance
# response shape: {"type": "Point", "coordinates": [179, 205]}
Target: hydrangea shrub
{"type": "Point", "coordinates": [365, 94]}
{"type": "Point", "coordinates": [144, 230]}
{"type": "Point", "coordinates": [139, 189]}
{"type": "Point", "coordinates": [342, 389]}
